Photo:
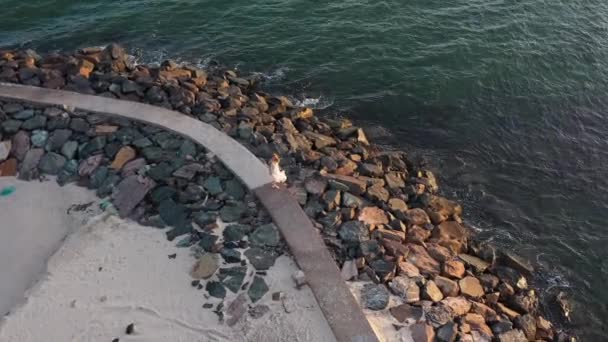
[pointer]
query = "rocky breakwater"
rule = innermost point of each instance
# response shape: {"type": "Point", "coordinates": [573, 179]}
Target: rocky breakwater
{"type": "Point", "coordinates": [159, 179]}
{"type": "Point", "coordinates": [379, 213]}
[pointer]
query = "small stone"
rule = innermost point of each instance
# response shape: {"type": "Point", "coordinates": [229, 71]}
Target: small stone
{"type": "Point", "coordinates": [233, 277]}
{"type": "Point", "coordinates": [89, 165]}
{"type": "Point", "coordinates": [512, 336]}
{"type": "Point", "coordinates": [5, 149]}
{"type": "Point", "coordinates": [22, 114]}
{"type": "Point", "coordinates": [39, 138]}
{"type": "Point", "coordinates": [349, 270]}
{"type": "Point", "coordinates": [142, 143]}
{"type": "Point", "coordinates": [216, 289]}
{"type": "Point", "coordinates": [124, 155]}
{"type": "Point", "coordinates": [375, 296]}
{"type": "Point", "coordinates": [213, 185]}
{"type": "Point", "coordinates": [69, 149]}
{"type": "Point", "coordinates": [232, 212]}
{"type": "Point", "coordinates": [384, 269]}
{"type": "Point", "coordinates": [355, 185]}
{"type": "Point", "coordinates": [419, 256]}
{"type": "Point", "coordinates": [454, 269]}
{"type": "Point", "coordinates": [235, 232]}
{"type": "Point", "coordinates": [231, 255]}
{"type": "Point", "coordinates": [57, 139]}
{"type": "Point", "coordinates": [8, 168]}
{"type": "Point", "coordinates": [370, 170]}
{"type": "Point", "coordinates": [258, 289]}
{"type": "Point", "coordinates": [173, 213]}
{"type": "Point", "coordinates": [459, 305]}
{"type": "Point", "coordinates": [404, 312]}
{"type": "Point", "coordinates": [205, 266]}
{"type": "Point", "coordinates": [394, 180]}
{"type": "Point", "coordinates": [510, 313]}
{"type": "Point", "coordinates": [20, 145]}
{"type": "Point", "coordinates": [130, 330]}
{"type": "Point", "coordinates": [133, 167]}
{"type": "Point", "coordinates": [353, 232]}
{"type": "Point", "coordinates": [299, 278]}
{"type": "Point", "coordinates": [511, 277]}
{"type": "Point", "coordinates": [447, 332]}
{"type": "Point", "coordinates": [448, 287]}
{"type": "Point", "coordinates": [332, 199]}
{"type": "Point", "coordinates": [415, 217]}
{"type": "Point", "coordinates": [351, 201]}
{"type": "Point", "coordinates": [203, 218]}
{"type": "Point", "coordinates": [527, 324]}
{"type": "Point", "coordinates": [315, 186]}
{"type": "Point", "coordinates": [94, 145]}
{"type": "Point", "coordinates": [266, 235]}
{"type": "Point", "coordinates": [451, 234]}
{"type": "Point", "coordinates": [234, 189]}
{"type": "Point", "coordinates": [408, 269]}
{"type": "Point", "coordinates": [51, 163]}
{"type": "Point", "coordinates": [373, 216]}
{"type": "Point", "coordinates": [422, 332]}
{"type": "Point", "coordinates": [406, 288]}
{"type": "Point", "coordinates": [378, 193]}
{"type": "Point", "coordinates": [36, 122]}
{"type": "Point", "coordinates": [439, 315]}
{"type": "Point", "coordinates": [11, 126]}
{"type": "Point", "coordinates": [477, 264]}
{"type": "Point", "coordinates": [470, 286]}
{"type": "Point", "coordinates": [28, 168]}
{"type": "Point", "coordinates": [130, 192]}
{"type": "Point", "coordinates": [58, 122]}
{"type": "Point", "coordinates": [79, 125]}
{"type": "Point", "coordinates": [432, 292]}
{"type": "Point", "coordinates": [260, 259]}
{"type": "Point", "coordinates": [478, 323]}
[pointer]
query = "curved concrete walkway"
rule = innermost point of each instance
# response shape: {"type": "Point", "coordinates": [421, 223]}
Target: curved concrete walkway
{"type": "Point", "coordinates": [341, 311]}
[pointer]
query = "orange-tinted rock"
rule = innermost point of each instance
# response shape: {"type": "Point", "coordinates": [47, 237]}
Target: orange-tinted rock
{"type": "Point", "coordinates": [422, 260]}
{"type": "Point", "coordinates": [124, 155]}
{"type": "Point", "coordinates": [105, 129]}
{"type": "Point", "coordinates": [8, 168]}
{"type": "Point", "coordinates": [458, 305]}
{"type": "Point", "coordinates": [448, 287]}
{"type": "Point", "coordinates": [85, 67]}
{"type": "Point", "coordinates": [373, 216]}
{"type": "Point", "coordinates": [408, 269]}
{"type": "Point", "coordinates": [452, 235]}
{"type": "Point", "coordinates": [470, 286]}
{"type": "Point", "coordinates": [453, 269]}
{"type": "Point", "coordinates": [478, 323]}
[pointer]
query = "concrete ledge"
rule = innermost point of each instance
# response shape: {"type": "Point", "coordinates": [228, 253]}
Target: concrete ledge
{"type": "Point", "coordinates": [341, 311]}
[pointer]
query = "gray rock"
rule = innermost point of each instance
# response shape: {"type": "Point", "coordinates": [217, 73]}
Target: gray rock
{"type": "Point", "coordinates": [69, 149]}
{"type": "Point", "coordinates": [232, 211]}
{"type": "Point", "coordinates": [394, 180]}
{"type": "Point", "coordinates": [371, 170]}
{"type": "Point", "coordinates": [320, 140]}
{"type": "Point", "coordinates": [28, 168]}
{"type": "Point", "coordinates": [234, 189]}
{"type": "Point", "coordinates": [405, 312]}
{"type": "Point", "coordinates": [527, 324]}
{"type": "Point", "coordinates": [129, 86]}
{"type": "Point", "coordinates": [36, 122]}
{"type": "Point", "coordinates": [23, 114]}
{"type": "Point", "coordinates": [94, 145]}
{"type": "Point", "coordinates": [189, 171]}
{"type": "Point", "coordinates": [331, 199]}
{"type": "Point", "coordinates": [207, 241]}
{"type": "Point", "coordinates": [12, 108]}
{"type": "Point", "coordinates": [20, 145]}
{"type": "Point", "coordinates": [213, 185]}
{"type": "Point", "coordinates": [39, 138]}
{"type": "Point", "coordinates": [259, 311]}
{"type": "Point", "coordinates": [173, 213]}
{"type": "Point", "coordinates": [161, 171]}
{"type": "Point", "coordinates": [11, 126]}
{"type": "Point", "coordinates": [142, 142]}
{"type": "Point", "coordinates": [203, 218]}
{"type": "Point", "coordinates": [154, 154]}
{"type": "Point", "coordinates": [162, 193]}
{"type": "Point", "coordinates": [51, 163]}
{"type": "Point", "coordinates": [108, 185]}
{"type": "Point", "coordinates": [353, 232]}
{"type": "Point", "coordinates": [266, 235]}
{"type": "Point", "coordinates": [89, 165]}
{"type": "Point", "coordinates": [501, 326]}
{"type": "Point", "coordinates": [98, 177]}
{"type": "Point", "coordinates": [422, 332]}
{"type": "Point", "coordinates": [235, 232]}
{"type": "Point", "coordinates": [439, 315]}
{"type": "Point", "coordinates": [57, 139]}
{"type": "Point", "coordinates": [351, 201]}
{"type": "Point", "coordinates": [79, 125]}
{"type": "Point", "coordinates": [230, 255]}
{"type": "Point", "coordinates": [375, 296]}
{"type": "Point", "coordinates": [316, 186]}
{"type": "Point", "coordinates": [216, 289]}
{"type": "Point", "coordinates": [233, 277]}
{"type": "Point", "coordinates": [133, 167]}
{"type": "Point", "coordinates": [447, 333]}
{"type": "Point", "coordinates": [59, 122]}
{"type": "Point", "coordinates": [130, 192]}
{"type": "Point", "coordinates": [260, 259]}
{"type": "Point", "coordinates": [405, 288]}
{"type": "Point", "coordinates": [258, 289]}
{"type": "Point", "coordinates": [188, 148]}
{"type": "Point", "coordinates": [384, 269]}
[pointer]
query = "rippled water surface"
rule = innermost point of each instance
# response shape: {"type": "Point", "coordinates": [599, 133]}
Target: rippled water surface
{"type": "Point", "coordinates": [506, 99]}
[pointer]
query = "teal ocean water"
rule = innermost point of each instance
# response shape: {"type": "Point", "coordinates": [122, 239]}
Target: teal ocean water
{"type": "Point", "coordinates": [507, 100]}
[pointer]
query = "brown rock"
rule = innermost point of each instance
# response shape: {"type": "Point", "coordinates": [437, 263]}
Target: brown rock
{"type": "Point", "coordinates": [205, 266]}
{"type": "Point", "coordinates": [451, 235]}
{"type": "Point", "coordinates": [105, 129]}
{"type": "Point", "coordinates": [404, 312]}
{"type": "Point", "coordinates": [124, 155]}
{"type": "Point", "coordinates": [377, 193]}
{"type": "Point", "coordinates": [439, 252]}
{"type": "Point", "coordinates": [85, 67]}
{"type": "Point", "coordinates": [474, 262]}
{"type": "Point", "coordinates": [447, 286]}
{"type": "Point", "coordinates": [544, 329]}
{"type": "Point", "coordinates": [417, 234]}
{"type": "Point", "coordinates": [488, 281]}
{"type": "Point", "coordinates": [408, 269]}
{"type": "Point", "coordinates": [89, 165]}
{"type": "Point", "coordinates": [21, 144]}
{"type": "Point", "coordinates": [478, 323]}
{"type": "Point", "coordinates": [527, 324]}
{"type": "Point", "coordinates": [394, 248]}
{"type": "Point", "coordinates": [422, 260]}
{"type": "Point", "coordinates": [470, 286]}
{"type": "Point", "coordinates": [406, 288]}
{"type": "Point", "coordinates": [488, 314]}
{"type": "Point", "coordinates": [422, 332]}
{"type": "Point", "coordinates": [512, 314]}
{"type": "Point", "coordinates": [492, 298]}
{"type": "Point", "coordinates": [416, 217]}
{"type": "Point", "coordinates": [8, 168]}
{"type": "Point", "coordinates": [432, 292]}
{"type": "Point", "coordinates": [515, 335]}
{"type": "Point", "coordinates": [394, 235]}
{"type": "Point", "coordinates": [458, 305]}
{"type": "Point", "coordinates": [373, 216]}
{"type": "Point", "coordinates": [394, 180]}
{"type": "Point", "coordinates": [454, 269]}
